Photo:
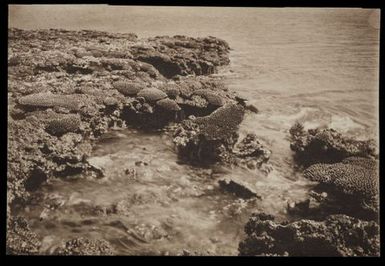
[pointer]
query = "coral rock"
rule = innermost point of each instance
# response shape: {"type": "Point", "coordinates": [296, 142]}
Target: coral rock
{"type": "Point", "coordinates": [239, 188]}
{"type": "Point", "coordinates": [20, 239]}
{"type": "Point", "coordinates": [338, 235]}
{"type": "Point", "coordinates": [128, 88]}
{"type": "Point", "coordinates": [354, 176]}
{"type": "Point", "coordinates": [210, 138]}
{"type": "Point", "coordinates": [211, 97]}
{"type": "Point", "coordinates": [222, 122]}
{"type": "Point", "coordinates": [326, 146]}
{"type": "Point", "coordinates": [46, 100]}
{"type": "Point", "coordinates": [62, 124]}
{"type": "Point", "coordinates": [152, 94]}
{"type": "Point", "coordinates": [250, 149]}
{"type": "Point", "coordinates": [84, 246]}
{"type": "Point", "coordinates": [168, 105]}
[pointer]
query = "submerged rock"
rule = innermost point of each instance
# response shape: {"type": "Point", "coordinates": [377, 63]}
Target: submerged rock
{"type": "Point", "coordinates": [252, 152]}
{"type": "Point", "coordinates": [238, 187]}
{"type": "Point", "coordinates": [338, 235]}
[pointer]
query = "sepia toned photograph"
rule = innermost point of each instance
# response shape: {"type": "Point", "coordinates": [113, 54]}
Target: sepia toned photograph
{"type": "Point", "coordinates": [193, 131]}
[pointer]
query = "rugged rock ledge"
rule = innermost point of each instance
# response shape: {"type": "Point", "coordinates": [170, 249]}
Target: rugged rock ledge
{"type": "Point", "coordinates": [326, 146]}
{"type": "Point", "coordinates": [67, 88]}
{"type": "Point", "coordinates": [340, 217]}
{"type": "Point", "coordinates": [338, 235]}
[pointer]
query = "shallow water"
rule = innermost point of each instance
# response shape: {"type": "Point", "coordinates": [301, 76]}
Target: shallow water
{"type": "Point", "coordinates": [164, 208]}
{"type": "Point", "coordinates": [316, 66]}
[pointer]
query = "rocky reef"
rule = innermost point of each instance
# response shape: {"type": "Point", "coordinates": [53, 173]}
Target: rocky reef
{"type": "Point", "coordinates": [340, 215]}
{"type": "Point", "coordinates": [354, 176]}
{"type": "Point", "coordinates": [209, 138]}
{"type": "Point", "coordinates": [214, 138]}
{"type": "Point", "coordinates": [67, 88]}
{"type": "Point", "coordinates": [350, 187]}
{"type": "Point", "coordinates": [337, 235]}
{"type": "Point", "coordinates": [326, 146]}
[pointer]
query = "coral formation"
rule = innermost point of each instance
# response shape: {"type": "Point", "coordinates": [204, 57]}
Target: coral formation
{"type": "Point", "coordinates": [63, 123]}
{"type": "Point", "coordinates": [221, 123]}
{"type": "Point", "coordinates": [351, 186]}
{"type": "Point", "coordinates": [20, 239]}
{"type": "Point", "coordinates": [178, 55]}
{"type": "Point", "coordinates": [210, 97]}
{"type": "Point", "coordinates": [337, 235]}
{"type": "Point", "coordinates": [356, 176]}
{"type": "Point", "coordinates": [128, 88]}
{"type": "Point", "coordinates": [46, 100]}
{"type": "Point", "coordinates": [168, 104]}
{"type": "Point", "coordinates": [251, 151]}
{"type": "Point", "coordinates": [84, 246]}
{"type": "Point", "coordinates": [326, 146]}
{"type": "Point", "coordinates": [209, 138]}
{"type": "Point", "coordinates": [152, 94]}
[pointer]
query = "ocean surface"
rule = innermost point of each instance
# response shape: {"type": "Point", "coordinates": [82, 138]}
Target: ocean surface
{"type": "Point", "coordinates": [316, 66]}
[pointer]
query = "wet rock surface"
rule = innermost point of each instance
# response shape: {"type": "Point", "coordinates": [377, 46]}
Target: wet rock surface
{"type": "Point", "coordinates": [340, 215]}
{"type": "Point", "coordinates": [337, 235]}
{"type": "Point", "coordinates": [209, 138]}
{"type": "Point", "coordinates": [326, 146]}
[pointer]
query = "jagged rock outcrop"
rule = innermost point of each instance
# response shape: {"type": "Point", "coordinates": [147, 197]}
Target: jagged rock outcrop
{"type": "Point", "coordinates": [178, 55]}
{"type": "Point", "coordinates": [209, 138]}
{"type": "Point", "coordinates": [67, 88]}
{"type": "Point", "coordinates": [326, 146]}
{"type": "Point", "coordinates": [337, 235]}
{"type": "Point", "coordinates": [251, 152]}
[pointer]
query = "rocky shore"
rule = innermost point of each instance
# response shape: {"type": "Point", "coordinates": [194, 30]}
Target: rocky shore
{"type": "Point", "coordinates": [340, 217]}
{"type": "Point", "coordinates": [68, 88]}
